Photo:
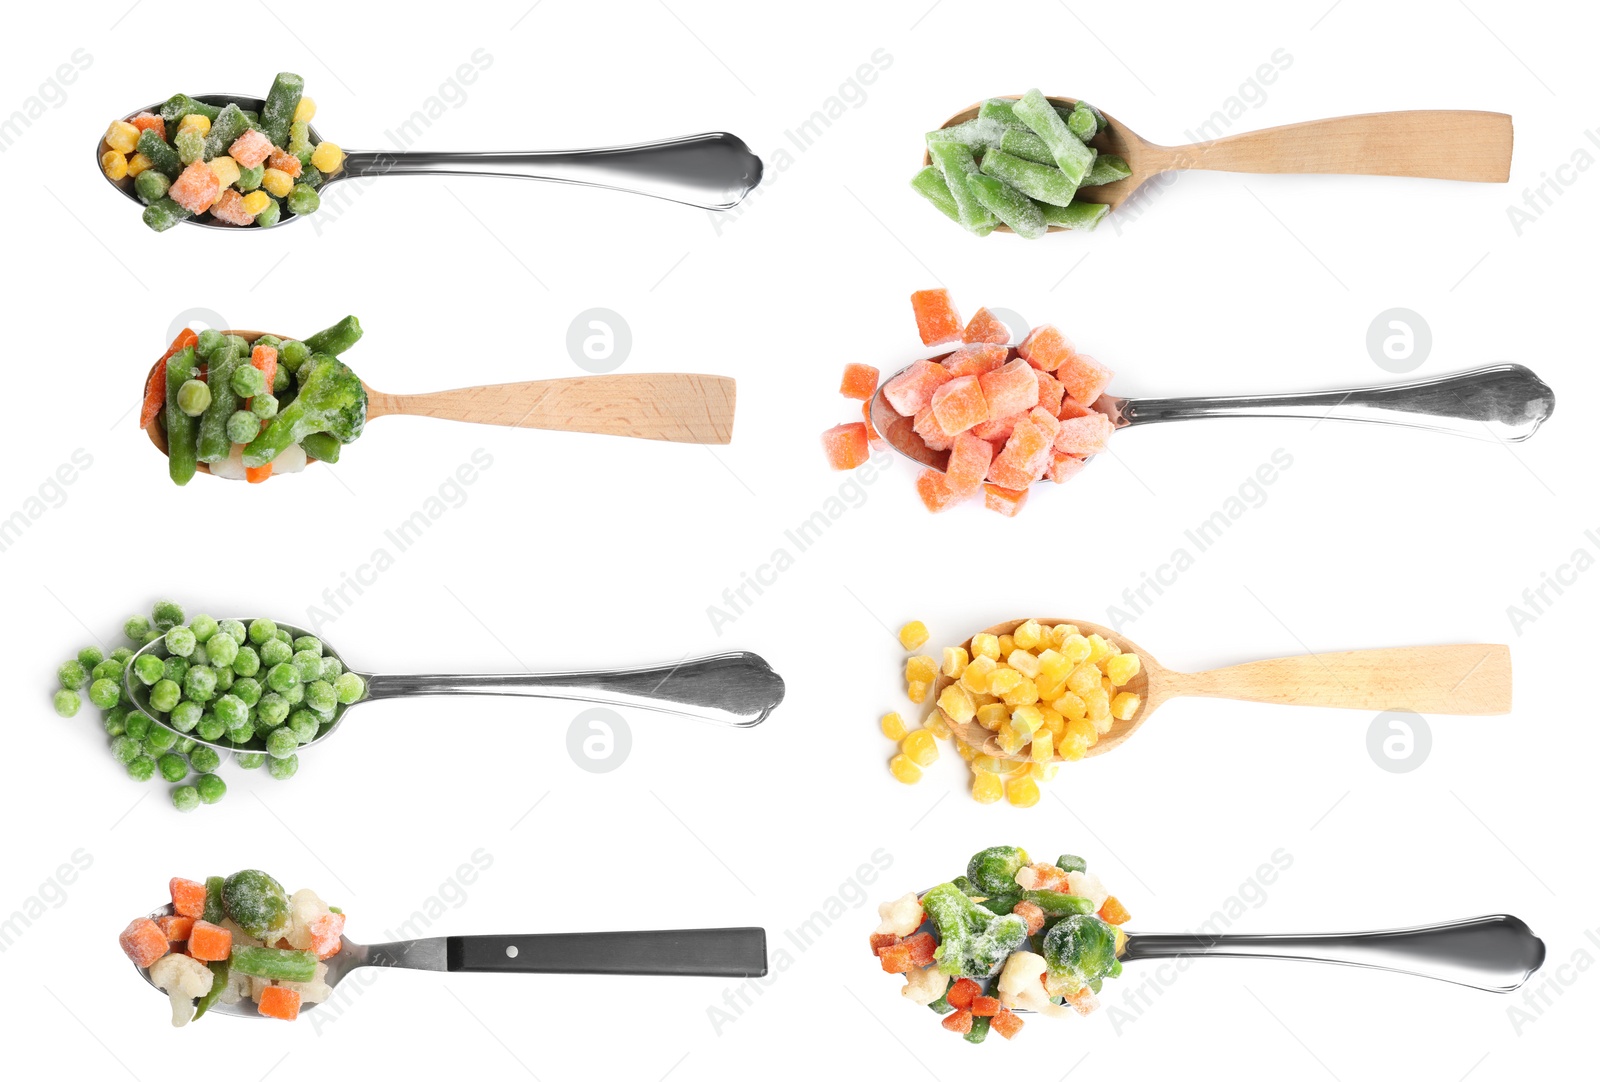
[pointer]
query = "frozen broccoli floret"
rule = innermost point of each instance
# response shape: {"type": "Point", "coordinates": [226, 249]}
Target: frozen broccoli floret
{"type": "Point", "coordinates": [994, 870]}
{"type": "Point", "coordinates": [184, 980]}
{"type": "Point", "coordinates": [973, 942]}
{"type": "Point", "coordinates": [331, 400]}
{"type": "Point", "coordinates": [257, 903]}
{"type": "Point", "coordinates": [1079, 951]}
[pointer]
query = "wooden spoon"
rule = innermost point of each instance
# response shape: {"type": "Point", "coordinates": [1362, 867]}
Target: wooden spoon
{"type": "Point", "coordinates": [1444, 144]}
{"type": "Point", "coordinates": [1465, 679]}
{"type": "Point", "coordinates": [678, 407]}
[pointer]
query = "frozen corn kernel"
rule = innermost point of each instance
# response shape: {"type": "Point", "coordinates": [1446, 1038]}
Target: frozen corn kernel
{"type": "Point", "coordinates": [1071, 705]}
{"type": "Point", "coordinates": [328, 158]}
{"type": "Point", "coordinates": [893, 726]}
{"type": "Point", "coordinates": [138, 164]}
{"type": "Point", "coordinates": [1101, 649]}
{"type": "Point", "coordinates": [914, 634]}
{"type": "Point", "coordinates": [1025, 693]}
{"type": "Point", "coordinates": [920, 747]}
{"type": "Point", "coordinates": [1084, 679]}
{"type": "Point", "coordinates": [966, 752]}
{"type": "Point", "coordinates": [197, 122]}
{"type": "Point", "coordinates": [1050, 690]}
{"type": "Point", "coordinates": [955, 702]}
{"type": "Point", "coordinates": [987, 788]}
{"type": "Point", "coordinates": [1098, 703]}
{"type": "Point", "coordinates": [305, 111]}
{"type": "Point", "coordinates": [122, 137]}
{"type": "Point", "coordinates": [1121, 668]}
{"type": "Point", "coordinates": [1022, 792]}
{"type": "Point", "coordinates": [937, 724]}
{"type": "Point", "coordinates": [992, 715]}
{"type": "Point", "coordinates": [988, 764]}
{"type": "Point", "coordinates": [1026, 719]}
{"type": "Point", "coordinates": [256, 202]}
{"type": "Point", "coordinates": [1076, 649]}
{"type": "Point", "coordinates": [226, 168]}
{"type": "Point", "coordinates": [1053, 665]}
{"type": "Point", "coordinates": [904, 770]}
{"type": "Point", "coordinates": [917, 693]}
{"type": "Point", "coordinates": [1043, 747]}
{"type": "Point", "coordinates": [955, 661]}
{"type": "Point", "coordinates": [1010, 740]}
{"type": "Point", "coordinates": [277, 182]}
{"type": "Point", "coordinates": [1043, 771]}
{"type": "Point", "coordinates": [1004, 680]}
{"type": "Point", "coordinates": [1125, 706]}
{"type": "Point", "coordinates": [114, 165]}
{"type": "Point", "coordinates": [1078, 738]}
{"type": "Point", "coordinates": [1052, 718]}
{"type": "Point", "coordinates": [1006, 645]}
{"type": "Point", "coordinates": [1024, 662]}
{"type": "Point", "coordinates": [985, 645]}
{"type": "Point", "coordinates": [921, 669]}
{"type": "Point", "coordinates": [977, 673]}
{"type": "Point", "coordinates": [1028, 634]}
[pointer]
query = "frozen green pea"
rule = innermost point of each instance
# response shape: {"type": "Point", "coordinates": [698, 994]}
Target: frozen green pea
{"type": "Point", "coordinates": [348, 688]}
{"type": "Point", "coordinates": [248, 380]}
{"type": "Point", "coordinates": [304, 724]}
{"type": "Point", "coordinates": [264, 406]}
{"type": "Point", "coordinates": [283, 636]}
{"type": "Point", "coordinates": [269, 215]}
{"type": "Point", "coordinates": [136, 627]}
{"type": "Point", "coordinates": [194, 397]}
{"type": "Point", "coordinates": [295, 695]}
{"type": "Point", "coordinates": [185, 716]}
{"type": "Point", "coordinates": [200, 684]}
{"type": "Point", "coordinates": [210, 339]}
{"type": "Point", "coordinates": [321, 697]}
{"type": "Point", "coordinates": [307, 664]}
{"type": "Point", "coordinates": [262, 630]}
{"type": "Point", "coordinates": [303, 199]}
{"type": "Point", "coordinates": [293, 354]}
{"type": "Point", "coordinates": [186, 798]}
{"type": "Point", "coordinates": [109, 669]}
{"type": "Point", "coordinates": [210, 727]}
{"type": "Point", "coordinates": [180, 641]}
{"type": "Point", "coordinates": [234, 630]}
{"type": "Point", "coordinates": [332, 669]}
{"type": "Point", "coordinates": [115, 721]}
{"type": "Point", "coordinates": [204, 627]}
{"type": "Point", "coordinates": [141, 768]}
{"type": "Point", "coordinates": [166, 615]}
{"type": "Point", "coordinates": [274, 652]}
{"type": "Point", "coordinates": [243, 426]}
{"type": "Point", "coordinates": [138, 724]}
{"type": "Point", "coordinates": [224, 679]}
{"type": "Point", "coordinates": [204, 759]}
{"type": "Point", "coordinates": [282, 742]}
{"type": "Point", "coordinates": [160, 738]}
{"type": "Point", "coordinates": [90, 656]}
{"type": "Point", "coordinates": [283, 769]}
{"type": "Point", "coordinates": [243, 734]}
{"type": "Point", "coordinates": [185, 745]}
{"type": "Point", "coordinates": [67, 703]}
{"type": "Point", "coordinates": [102, 693]}
{"type": "Point", "coordinates": [282, 677]}
{"type": "Point", "coordinates": [248, 690]}
{"type": "Point", "coordinates": [272, 710]}
{"type": "Point", "coordinates": [191, 145]}
{"type": "Point", "coordinates": [221, 651]}
{"type": "Point", "coordinates": [164, 694]}
{"type": "Point", "coordinates": [149, 668]}
{"type": "Point", "coordinates": [249, 760]}
{"type": "Point", "coordinates": [72, 675]}
{"type": "Point", "coordinates": [121, 655]}
{"type": "Point", "coordinates": [211, 788]}
{"type": "Point", "coordinates": [176, 668]}
{"type": "Point", "coordinates": [125, 749]}
{"type": "Point", "coordinates": [308, 643]}
{"type": "Point", "coordinates": [231, 711]}
{"type": "Point", "coordinates": [247, 662]}
{"type": "Point", "coordinates": [151, 636]}
{"type": "Point", "coordinates": [173, 767]}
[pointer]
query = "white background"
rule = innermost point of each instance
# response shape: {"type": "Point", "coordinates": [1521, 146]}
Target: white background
{"type": "Point", "coordinates": [588, 551]}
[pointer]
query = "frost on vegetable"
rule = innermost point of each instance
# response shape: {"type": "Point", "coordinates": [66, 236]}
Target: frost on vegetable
{"type": "Point", "coordinates": [973, 942]}
{"type": "Point", "coordinates": [924, 986]}
{"type": "Point", "coordinates": [184, 980]}
{"type": "Point", "coordinates": [994, 870]}
{"type": "Point", "coordinates": [1021, 988]}
{"type": "Point", "coordinates": [1079, 952]}
{"type": "Point", "coordinates": [256, 902]}
{"type": "Point", "coordinates": [900, 917]}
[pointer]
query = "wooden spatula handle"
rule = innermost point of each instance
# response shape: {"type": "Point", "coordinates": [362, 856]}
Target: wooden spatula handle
{"type": "Point", "coordinates": [674, 406]}
{"type": "Point", "coordinates": [1444, 144]}
{"type": "Point", "coordinates": [1469, 679]}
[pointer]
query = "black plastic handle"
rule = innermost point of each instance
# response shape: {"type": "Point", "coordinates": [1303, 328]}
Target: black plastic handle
{"type": "Point", "coordinates": [684, 952]}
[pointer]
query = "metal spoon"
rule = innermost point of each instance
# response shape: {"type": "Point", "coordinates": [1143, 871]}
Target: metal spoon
{"type": "Point", "coordinates": [737, 689]}
{"type": "Point", "coordinates": [1503, 402]}
{"type": "Point", "coordinates": [1454, 144]}
{"type": "Point", "coordinates": [684, 952]}
{"type": "Point", "coordinates": [1465, 679]}
{"type": "Point", "coordinates": [714, 170]}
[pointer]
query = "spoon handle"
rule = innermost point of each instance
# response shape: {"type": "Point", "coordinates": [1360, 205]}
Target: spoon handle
{"type": "Point", "coordinates": [679, 407]}
{"type": "Point", "coordinates": [1496, 953]}
{"type": "Point", "coordinates": [1468, 679]}
{"type": "Point", "coordinates": [1501, 402]}
{"type": "Point", "coordinates": [714, 170]}
{"type": "Point", "coordinates": [737, 689]}
{"type": "Point", "coordinates": [687, 952]}
{"type": "Point", "coordinates": [1438, 143]}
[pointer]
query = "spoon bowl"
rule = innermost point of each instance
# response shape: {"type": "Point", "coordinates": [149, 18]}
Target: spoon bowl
{"type": "Point", "coordinates": [1454, 144]}
{"type": "Point", "coordinates": [738, 689]}
{"type": "Point", "coordinates": [712, 170]}
{"type": "Point", "coordinates": [1468, 679]}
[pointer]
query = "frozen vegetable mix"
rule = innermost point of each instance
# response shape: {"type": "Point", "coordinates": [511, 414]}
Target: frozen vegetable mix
{"type": "Point", "coordinates": [1020, 163]}
{"type": "Point", "coordinates": [1011, 935]}
{"type": "Point", "coordinates": [197, 159]}
{"type": "Point", "coordinates": [237, 938]}
{"type": "Point", "coordinates": [249, 408]}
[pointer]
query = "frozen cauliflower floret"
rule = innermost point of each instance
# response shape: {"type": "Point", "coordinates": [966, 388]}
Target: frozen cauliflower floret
{"type": "Point", "coordinates": [1021, 989]}
{"type": "Point", "coordinates": [901, 917]}
{"type": "Point", "coordinates": [304, 907]}
{"type": "Point", "coordinates": [184, 980]}
{"type": "Point", "coordinates": [1089, 886]}
{"type": "Point", "coordinates": [923, 986]}
{"type": "Point", "coordinates": [317, 990]}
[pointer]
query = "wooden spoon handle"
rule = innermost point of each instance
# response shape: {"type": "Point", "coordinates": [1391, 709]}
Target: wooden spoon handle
{"type": "Point", "coordinates": [1444, 144]}
{"type": "Point", "coordinates": [1468, 679]}
{"type": "Point", "coordinates": [675, 406]}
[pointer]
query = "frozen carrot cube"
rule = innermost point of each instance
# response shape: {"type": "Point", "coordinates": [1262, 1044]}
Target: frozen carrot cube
{"type": "Point", "coordinates": [1113, 911]}
{"type": "Point", "coordinates": [846, 445]}
{"type": "Point", "coordinates": [1007, 501]}
{"type": "Point", "coordinates": [143, 941]}
{"type": "Point", "coordinates": [975, 360]}
{"type": "Point", "coordinates": [1050, 391]}
{"type": "Point", "coordinates": [175, 928]}
{"type": "Point", "coordinates": [284, 162]}
{"type": "Point", "coordinates": [935, 492]}
{"type": "Point", "coordinates": [1031, 913]}
{"type": "Point", "coordinates": [1046, 348]}
{"type": "Point", "coordinates": [196, 188]}
{"type": "Point", "coordinates": [1071, 407]}
{"type": "Point", "coordinates": [912, 389]}
{"type": "Point", "coordinates": [279, 1002]}
{"type": "Point", "coordinates": [958, 1021]}
{"type": "Point", "coordinates": [1009, 389]}
{"type": "Point", "coordinates": [926, 425]}
{"type": "Point", "coordinates": [921, 946]}
{"type": "Point", "coordinates": [866, 419]}
{"type": "Point", "coordinates": [984, 327]}
{"type": "Point", "coordinates": [999, 430]}
{"type": "Point", "coordinates": [1084, 377]}
{"type": "Point", "coordinates": [1063, 467]}
{"type": "Point", "coordinates": [969, 465]}
{"type": "Point", "coordinates": [230, 208]}
{"type": "Point", "coordinates": [150, 122]}
{"type": "Point", "coordinates": [959, 404]}
{"type": "Point", "coordinates": [881, 940]}
{"type": "Point", "coordinates": [209, 943]}
{"type": "Point", "coordinates": [1026, 455]}
{"type": "Point", "coordinates": [1045, 422]}
{"type": "Point", "coordinates": [937, 320]}
{"type": "Point", "coordinates": [985, 1006]}
{"type": "Point", "coordinates": [1085, 435]}
{"type": "Point", "coordinates": [1007, 1024]}
{"type": "Point", "coordinates": [188, 897]}
{"type": "Point", "coordinates": [961, 994]}
{"type": "Point", "coordinates": [326, 932]}
{"type": "Point", "coordinates": [860, 381]}
{"type": "Point", "coordinates": [896, 959]}
{"type": "Point", "coordinates": [251, 149]}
